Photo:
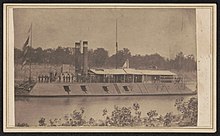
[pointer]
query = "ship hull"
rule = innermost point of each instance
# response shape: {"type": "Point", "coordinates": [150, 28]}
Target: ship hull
{"type": "Point", "coordinates": [108, 89]}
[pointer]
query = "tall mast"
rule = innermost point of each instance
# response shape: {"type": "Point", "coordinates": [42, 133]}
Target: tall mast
{"type": "Point", "coordinates": [116, 46]}
{"type": "Point", "coordinates": [30, 56]}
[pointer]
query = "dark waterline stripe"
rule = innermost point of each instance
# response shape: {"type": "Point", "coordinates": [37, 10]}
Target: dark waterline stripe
{"type": "Point", "coordinates": [50, 96]}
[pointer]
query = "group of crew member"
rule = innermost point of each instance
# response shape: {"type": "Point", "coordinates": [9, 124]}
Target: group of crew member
{"type": "Point", "coordinates": [44, 78]}
{"type": "Point", "coordinates": [63, 77]}
{"type": "Point", "coordinates": [67, 77]}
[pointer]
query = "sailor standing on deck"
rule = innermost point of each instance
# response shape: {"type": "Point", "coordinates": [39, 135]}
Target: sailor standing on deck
{"type": "Point", "coordinates": [68, 77]}
{"type": "Point", "coordinates": [39, 78]}
{"type": "Point", "coordinates": [64, 79]}
{"type": "Point", "coordinates": [46, 77]}
{"type": "Point", "coordinates": [42, 78]}
{"type": "Point", "coordinates": [72, 77]}
{"type": "Point", "coordinates": [59, 78]}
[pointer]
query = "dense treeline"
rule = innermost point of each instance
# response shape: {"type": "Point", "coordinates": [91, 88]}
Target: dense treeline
{"type": "Point", "coordinates": [100, 58]}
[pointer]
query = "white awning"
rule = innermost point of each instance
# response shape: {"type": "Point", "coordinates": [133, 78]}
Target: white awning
{"type": "Point", "coordinates": [157, 72]}
{"type": "Point", "coordinates": [98, 71]}
{"type": "Point", "coordinates": [108, 71]}
{"type": "Point", "coordinates": [132, 72]}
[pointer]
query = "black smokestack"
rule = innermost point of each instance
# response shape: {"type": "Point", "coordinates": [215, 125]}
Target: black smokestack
{"type": "Point", "coordinates": [77, 60]}
{"type": "Point", "coordinates": [85, 58]}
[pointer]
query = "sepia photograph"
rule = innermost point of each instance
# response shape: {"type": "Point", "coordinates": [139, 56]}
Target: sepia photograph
{"type": "Point", "coordinates": [109, 67]}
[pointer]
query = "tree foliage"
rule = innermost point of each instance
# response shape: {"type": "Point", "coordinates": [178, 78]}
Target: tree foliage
{"type": "Point", "coordinates": [131, 116]}
{"type": "Point", "coordinates": [99, 58]}
{"type": "Point", "coordinates": [189, 110]}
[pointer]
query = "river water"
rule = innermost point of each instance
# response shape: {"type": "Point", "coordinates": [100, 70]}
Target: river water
{"type": "Point", "coordinates": [30, 110]}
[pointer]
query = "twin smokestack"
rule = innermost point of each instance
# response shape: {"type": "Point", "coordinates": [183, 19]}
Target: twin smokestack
{"type": "Point", "coordinates": [81, 63]}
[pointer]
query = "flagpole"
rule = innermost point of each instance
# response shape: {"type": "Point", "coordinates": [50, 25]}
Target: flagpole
{"type": "Point", "coordinates": [116, 43]}
{"type": "Point", "coordinates": [30, 57]}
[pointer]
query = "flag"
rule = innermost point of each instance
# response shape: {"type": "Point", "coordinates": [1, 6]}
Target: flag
{"type": "Point", "coordinates": [26, 48]}
{"type": "Point", "coordinates": [29, 33]}
{"type": "Point", "coordinates": [26, 43]}
{"type": "Point", "coordinates": [126, 64]}
{"type": "Point", "coordinates": [25, 52]}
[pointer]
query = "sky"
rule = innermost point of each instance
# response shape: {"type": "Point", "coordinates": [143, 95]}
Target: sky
{"type": "Point", "coordinates": [142, 31]}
